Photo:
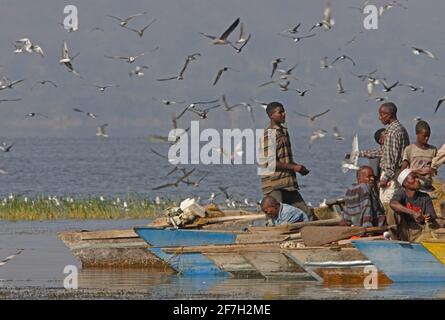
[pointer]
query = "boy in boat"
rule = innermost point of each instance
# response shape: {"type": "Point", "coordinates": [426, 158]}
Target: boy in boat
{"type": "Point", "coordinates": [362, 205]}
{"type": "Point", "coordinates": [419, 155]}
{"type": "Point", "coordinates": [412, 210]}
{"type": "Point", "coordinates": [282, 184]}
{"type": "Point", "coordinates": [281, 213]}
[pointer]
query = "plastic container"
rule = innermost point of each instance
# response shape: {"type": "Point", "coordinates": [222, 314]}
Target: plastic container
{"type": "Point", "coordinates": [191, 207]}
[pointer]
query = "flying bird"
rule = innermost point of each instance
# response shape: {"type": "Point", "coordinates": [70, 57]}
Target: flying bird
{"type": "Point", "coordinates": [43, 82]}
{"type": "Point", "coordinates": [226, 106]}
{"type": "Point", "coordinates": [353, 158]}
{"type": "Point", "coordinates": [10, 100]}
{"type": "Point", "coordinates": [189, 59]}
{"type": "Point", "coordinates": [28, 46]}
{"type": "Point", "coordinates": [340, 89]}
{"type": "Point", "coordinates": [418, 51]}
{"type": "Point", "coordinates": [293, 29]}
{"type": "Point", "coordinates": [176, 183]}
{"type": "Point", "coordinates": [275, 63]}
{"type": "Point", "coordinates": [167, 102]}
{"type": "Point", "coordinates": [5, 83]}
{"type": "Point", "coordinates": [318, 134]}
{"type": "Point", "coordinates": [104, 87]}
{"type": "Point", "coordinates": [327, 21]}
{"type": "Point", "coordinates": [123, 22]}
{"type": "Point", "coordinates": [220, 72]}
{"type": "Point", "coordinates": [412, 87]}
{"type": "Point", "coordinates": [337, 135]}
{"type": "Point", "coordinates": [100, 131]}
{"type": "Point", "coordinates": [140, 33]}
{"type": "Point", "coordinates": [439, 104]}
{"type": "Point", "coordinates": [312, 117]}
{"type": "Point", "coordinates": [67, 60]}
{"type": "Point", "coordinates": [222, 40]}
{"type": "Point", "coordinates": [6, 147]}
{"type": "Point", "coordinates": [34, 114]}
{"type": "Point", "coordinates": [297, 39]}
{"type": "Point", "coordinates": [341, 58]}
{"type": "Point", "coordinates": [138, 71]}
{"type": "Point", "coordinates": [388, 88]}
{"type": "Point", "coordinates": [129, 59]}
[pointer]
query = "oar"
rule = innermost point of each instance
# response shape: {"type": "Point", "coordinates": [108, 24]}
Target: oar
{"type": "Point", "coordinates": [318, 236]}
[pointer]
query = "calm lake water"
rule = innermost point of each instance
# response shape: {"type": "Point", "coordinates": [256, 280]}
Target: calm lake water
{"type": "Point", "coordinates": [115, 166]}
{"type": "Point", "coordinates": [37, 272]}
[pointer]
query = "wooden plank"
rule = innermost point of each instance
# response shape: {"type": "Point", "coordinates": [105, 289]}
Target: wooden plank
{"type": "Point", "coordinates": [271, 262]}
{"type": "Point", "coordinates": [403, 261]}
{"type": "Point", "coordinates": [349, 276]}
{"type": "Point", "coordinates": [289, 228]}
{"type": "Point", "coordinates": [261, 238]}
{"type": "Point", "coordinates": [234, 263]}
{"type": "Point", "coordinates": [349, 241]}
{"type": "Point", "coordinates": [323, 254]}
{"type": "Point", "coordinates": [163, 223]}
{"type": "Point", "coordinates": [108, 234]}
{"type": "Point", "coordinates": [234, 248]}
{"type": "Point", "coordinates": [320, 235]}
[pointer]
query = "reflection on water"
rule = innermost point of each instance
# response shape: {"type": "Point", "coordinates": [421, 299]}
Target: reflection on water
{"type": "Point", "coordinates": [44, 256]}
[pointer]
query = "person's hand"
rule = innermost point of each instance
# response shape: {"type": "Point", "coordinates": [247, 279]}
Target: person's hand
{"type": "Point", "coordinates": [428, 218]}
{"type": "Point", "coordinates": [347, 156]}
{"type": "Point", "coordinates": [418, 217]}
{"type": "Point", "coordinates": [301, 169]}
{"type": "Point", "coordinates": [424, 171]}
{"type": "Point", "coordinates": [344, 223]}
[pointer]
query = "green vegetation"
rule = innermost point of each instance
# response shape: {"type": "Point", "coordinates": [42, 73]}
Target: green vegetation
{"type": "Point", "coordinates": [21, 208]}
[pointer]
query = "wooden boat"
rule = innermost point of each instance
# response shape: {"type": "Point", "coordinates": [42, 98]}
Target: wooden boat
{"type": "Point", "coordinates": [124, 248]}
{"type": "Point", "coordinates": [403, 261]}
{"type": "Point", "coordinates": [437, 248]}
{"type": "Point", "coordinates": [265, 253]}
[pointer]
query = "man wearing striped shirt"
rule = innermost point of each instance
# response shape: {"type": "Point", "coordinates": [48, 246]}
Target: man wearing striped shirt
{"type": "Point", "coordinates": [282, 183]}
{"type": "Point", "coordinates": [396, 140]}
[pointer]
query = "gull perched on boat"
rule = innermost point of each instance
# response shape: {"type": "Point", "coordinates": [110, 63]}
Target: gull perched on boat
{"type": "Point", "coordinates": [129, 59]}
{"type": "Point", "coordinates": [100, 131]}
{"type": "Point", "coordinates": [43, 82]}
{"type": "Point", "coordinates": [220, 72]}
{"type": "Point", "coordinates": [123, 22]}
{"type": "Point", "coordinates": [6, 147]}
{"type": "Point", "coordinates": [318, 134]}
{"type": "Point", "coordinates": [312, 117]}
{"type": "Point", "coordinates": [67, 60]}
{"type": "Point", "coordinates": [327, 21]}
{"type": "Point", "coordinates": [140, 33]}
{"type": "Point", "coordinates": [353, 159]}
{"type": "Point", "coordinates": [222, 40]}
{"type": "Point", "coordinates": [28, 46]}
{"type": "Point", "coordinates": [138, 71]}
{"type": "Point", "coordinates": [176, 183]}
{"type": "Point", "coordinates": [190, 58]}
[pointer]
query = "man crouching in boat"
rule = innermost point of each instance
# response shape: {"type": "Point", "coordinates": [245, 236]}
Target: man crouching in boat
{"type": "Point", "coordinates": [362, 204]}
{"type": "Point", "coordinates": [281, 213]}
{"type": "Point", "coordinates": [413, 213]}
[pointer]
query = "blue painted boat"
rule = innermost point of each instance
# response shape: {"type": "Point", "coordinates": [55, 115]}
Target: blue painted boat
{"type": "Point", "coordinates": [403, 261]}
{"type": "Point", "coordinates": [188, 264]}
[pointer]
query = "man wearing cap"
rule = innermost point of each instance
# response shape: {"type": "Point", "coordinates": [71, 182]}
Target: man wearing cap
{"type": "Point", "coordinates": [412, 210]}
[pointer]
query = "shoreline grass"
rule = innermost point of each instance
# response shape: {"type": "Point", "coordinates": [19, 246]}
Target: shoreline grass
{"type": "Point", "coordinates": [22, 208]}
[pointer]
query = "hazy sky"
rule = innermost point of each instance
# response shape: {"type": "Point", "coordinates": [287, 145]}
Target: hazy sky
{"type": "Point", "coordinates": [129, 109]}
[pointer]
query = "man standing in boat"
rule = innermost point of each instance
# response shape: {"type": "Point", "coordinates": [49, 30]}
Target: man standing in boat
{"type": "Point", "coordinates": [282, 184]}
{"type": "Point", "coordinates": [396, 140]}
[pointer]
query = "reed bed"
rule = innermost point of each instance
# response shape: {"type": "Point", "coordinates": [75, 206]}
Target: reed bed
{"type": "Point", "coordinates": [22, 208]}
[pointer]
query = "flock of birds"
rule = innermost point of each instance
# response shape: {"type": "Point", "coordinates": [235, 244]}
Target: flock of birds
{"type": "Point", "coordinates": [281, 77]}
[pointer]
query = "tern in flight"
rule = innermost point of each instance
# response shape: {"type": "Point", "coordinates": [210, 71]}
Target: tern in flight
{"type": "Point", "coordinates": [67, 60]}
{"type": "Point", "coordinates": [353, 158]}
{"type": "Point", "coordinates": [327, 21]}
{"type": "Point", "coordinates": [100, 131]}
{"type": "Point", "coordinates": [312, 117]}
{"type": "Point", "coordinates": [129, 59]}
{"type": "Point", "coordinates": [220, 72]}
{"type": "Point", "coordinates": [189, 59]}
{"type": "Point", "coordinates": [222, 40]}
{"type": "Point", "coordinates": [123, 22]}
{"type": "Point", "coordinates": [28, 46]}
{"type": "Point", "coordinates": [140, 33]}
{"type": "Point", "coordinates": [176, 183]}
